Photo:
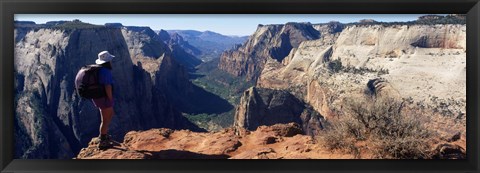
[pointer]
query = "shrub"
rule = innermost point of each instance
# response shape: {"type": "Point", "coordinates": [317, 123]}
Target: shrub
{"type": "Point", "coordinates": [381, 122]}
{"type": "Point", "coordinates": [335, 65]}
{"type": "Point", "coordinates": [343, 135]}
{"type": "Point", "coordinates": [383, 71]}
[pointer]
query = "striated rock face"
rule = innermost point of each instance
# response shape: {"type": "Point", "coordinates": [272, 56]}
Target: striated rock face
{"type": "Point", "coordinates": [268, 42]}
{"type": "Point", "coordinates": [417, 63]}
{"type": "Point", "coordinates": [259, 106]}
{"type": "Point", "coordinates": [280, 141]}
{"type": "Point", "coordinates": [52, 121]}
{"type": "Point", "coordinates": [421, 65]}
{"type": "Point", "coordinates": [397, 40]}
{"type": "Point", "coordinates": [146, 46]}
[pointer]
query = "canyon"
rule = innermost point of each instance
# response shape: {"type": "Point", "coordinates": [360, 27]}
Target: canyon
{"type": "Point", "coordinates": [279, 94]}
{"type": "Point", "coordinates": [54, 122]}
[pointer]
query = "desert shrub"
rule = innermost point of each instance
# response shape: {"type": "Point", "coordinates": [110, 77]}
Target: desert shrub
{"type": "Point", "coordinates": [409, 147]}
{"type": "Point", "coordinates": [343, 135]}
{"type": "Point", "coordinates": [335, 65]}
{"type": "Point", "coordinates": [363, 70]}
{"type": "Point", "coordinates": [381, 122]}
{"type": "Point", "coordinates": [383, 71]}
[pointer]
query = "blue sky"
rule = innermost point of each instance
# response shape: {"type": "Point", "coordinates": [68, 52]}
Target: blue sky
{"type": "Point", "coordinates": [227, 24]}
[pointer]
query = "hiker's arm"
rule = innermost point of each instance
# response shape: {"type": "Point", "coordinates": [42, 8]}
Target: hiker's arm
{"type": "Point", "coordinates": [108, 89]}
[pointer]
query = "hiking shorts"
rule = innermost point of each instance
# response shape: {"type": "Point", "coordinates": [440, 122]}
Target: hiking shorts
{"type": "Point", "coordinates": [103, 102]}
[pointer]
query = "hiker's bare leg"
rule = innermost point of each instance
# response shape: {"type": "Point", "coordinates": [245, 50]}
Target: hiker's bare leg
{"type": "Point", "coordinates": [107, 115]}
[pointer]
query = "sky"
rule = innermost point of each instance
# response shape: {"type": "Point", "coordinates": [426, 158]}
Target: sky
{"type": "Point", "coordinates": [226, 24]}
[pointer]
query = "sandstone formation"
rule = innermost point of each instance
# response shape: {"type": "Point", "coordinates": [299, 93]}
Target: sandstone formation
{"type": "Point", "coordinates": [399, 54]}
{"type": "Point", "coordinates": [279, 141]}
{"type": "Point", "coordinates": [259, 106]}
{"type": "Point", "coordinates": [52, 120]}
{"type": "Point", "coordinates": [268, 42]}
{"type": "Point", "coordinates": [146, 46]}
{"type": "Point", "coordinates": [420, 64]}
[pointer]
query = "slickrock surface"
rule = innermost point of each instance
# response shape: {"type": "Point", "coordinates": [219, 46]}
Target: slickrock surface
{"type": "Point", "coordinates": [279, 141]}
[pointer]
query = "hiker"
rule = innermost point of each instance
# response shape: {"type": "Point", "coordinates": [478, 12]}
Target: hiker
{"type": "Point", "coordinates": [105, 104]}
{"type": "Point", "coordinates": [95, 82]}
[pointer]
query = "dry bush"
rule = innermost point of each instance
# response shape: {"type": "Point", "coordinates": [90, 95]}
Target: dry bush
{"type": "Point", "coordinates": [381, 122]}
{"type": "Point", "coordinates": [343, 135]}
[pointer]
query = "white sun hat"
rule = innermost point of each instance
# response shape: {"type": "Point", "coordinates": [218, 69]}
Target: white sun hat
{"type": "Point", "coordinates": [104, 57]}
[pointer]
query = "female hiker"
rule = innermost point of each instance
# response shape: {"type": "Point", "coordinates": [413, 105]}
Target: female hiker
{"type": "Point", "coordinates": [105, 104]}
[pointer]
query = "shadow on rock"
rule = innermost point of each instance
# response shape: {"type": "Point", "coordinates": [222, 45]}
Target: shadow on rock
{"type": "Point", "coordinates": [177, 154]}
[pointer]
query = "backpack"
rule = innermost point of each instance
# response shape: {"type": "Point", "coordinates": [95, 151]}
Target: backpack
{"type": "Point", "coordinates": [87, 82]}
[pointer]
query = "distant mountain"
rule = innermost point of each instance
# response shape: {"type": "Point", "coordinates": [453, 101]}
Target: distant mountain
{"type": "Point", "coordinates": [186, 53]}
{"type": "Point", "coordinates": [212, 44]}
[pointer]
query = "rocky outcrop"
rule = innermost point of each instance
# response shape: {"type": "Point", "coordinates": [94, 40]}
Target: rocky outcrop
{"type": "Point", "coordinates": [52, 120]}
{"type": "Point", "coordinates": [280, 141]}
{"type": "Point", "coordinates": [449, 151]}
{"type": "Point", "coordinates": [259, 106]}
{"type": "Point", "coordinates": [268, 42]}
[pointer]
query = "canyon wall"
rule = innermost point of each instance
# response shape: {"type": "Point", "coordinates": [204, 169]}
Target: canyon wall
{"type": "Point", "coordinates": [260, 106]}
{"type": "Point", "coordinates": [417, 63]}
{"type": "Point", "coordinates": [268, 42]}
{"type": "Point", "coordinates": [52, 121]}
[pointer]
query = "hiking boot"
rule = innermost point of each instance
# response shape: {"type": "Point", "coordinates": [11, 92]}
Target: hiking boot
{"type": "Point", "coordinates": [105, 143]}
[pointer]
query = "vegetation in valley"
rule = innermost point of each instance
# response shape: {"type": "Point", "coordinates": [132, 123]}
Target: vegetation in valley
{"type": "Point", "coordinates": [227, 86]}
{"type": "Point", "coordinates": [218, 82]}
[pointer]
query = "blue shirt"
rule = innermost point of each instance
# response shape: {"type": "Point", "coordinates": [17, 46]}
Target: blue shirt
{"type": "Point", "coordinates": [105, 76]}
